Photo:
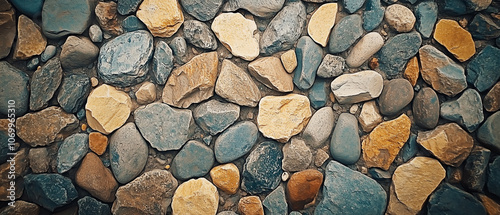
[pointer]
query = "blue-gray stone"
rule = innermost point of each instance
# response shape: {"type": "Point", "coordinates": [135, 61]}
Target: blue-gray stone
{"type": "Point", "coordinates": [345, 144]}
{"type": "Point", "coordinates": [474, 175]}
{"type": "Point", "coordinates": [373, 15]}
{"type": "Point", "coordinates": [462, 7]}
{"type": "Point", "coordinates": [71, 151]}
{"type": "Point", "coordinates": [397, 51]}
{"type": "Point", "coordinates": [352, 5]}
{"type": "Point", "coordinates": [123, 61]}
{"type": "Point", "coordinates": [207, 139]}
{"type": "Point", "coordinates": [14, 84]}
{"type": "Point", "coordinates": [318, 94]}
{"type": "Point", "coordinates": [349, 192]}
{"type": "Point", "coordinates": [164, 127]}
{"type": "Point", "coordinates": [284, 29]}
{"type": "Point", "coordinates": [483, 28]}
{"type": "Point", "coordinates": [65, 17]}
{"type": "Point", "coordinates": [482, 71]}
{"type": "Point", "coordinates": [163, 63]}
{"type": "Point", "coordinates": [44, 84]}
{"type": "Point", "coordinates": [73, 92]}
{"type": "Point", "coordinates": [179, 49]}
{"type": "Point", "coordinates": [126, 7]}
{"type": "Point", "coordinates": [199, 35]}
{"type": "Point", "coordinates": [202, 10]}
{"type": "Point", "coordinates": [275, 202]}
{"type": "Point", "coordinates": [426, 14]}
{"type": "Point", "coordinates": [29, 7]}
{"type": "Point", "coordinates": [48, 53]}
{"type": "Point", "coordinates": [331, 66]}
{"type": "Point", "coordinates": [411, 1]}
{"type": "Point", "coordinates": [4, 148]}
{"type": "Point", "coordinates": [262, 170]}
{"type": "Point", "coordinates": [81, 114]}
{"type": "Point", "coordinates": [467, 110]}
{"type": "Point", "coordinates": [214, 116]}
{"type": "Point", "coordinates": [379, 174]}
{"type": "Point", "coordinates": [309, 55]}
{"type": "Point", "coordinates": [90, 206]}
{"type": "Point", "coordinates": [33, 63]}
{"type": "Point", "coordinates": [261, 8]}
{"type": "Point", "coordinates": [50, 191]}
{"type": "Point", "coordinates": [235, 141]}
{"type": "Point", "coordinates": [488, 132]}
{"type": "Point", "coordinates": [132, 23]}
{"type": "Point", "coordinates": [345, 33]}
{"type": "Point", "coordinates": [448, 200]}
{"type": "Point", "coordinates": [493, 183]}
{"type": "Point", "coordinates": [410, 148]}
{"type": "Point", "coordinates": [128, 153]}
{"type": "Point", "coordinates": [195, 159]}
{"type": "Point", "coordinates": [95, 33]}
{"type": "Point", "coordinates": [426, 108]}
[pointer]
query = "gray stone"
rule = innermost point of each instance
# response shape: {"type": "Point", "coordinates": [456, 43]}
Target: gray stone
{"type": "Point", "coordinates": [14, 84]}
{"type": "Point", "coordinates": [467, 110]}
{"type": "Point", "coordinates": [275, 202]}
{"type": "Point", "coordinates": [488, 132]}
{"type": "Point", "coordinates": [352, 5]}
{"type": "Point", "coordinates": [345, 145]}
{"type": "Point", "coordinates": [78, 52]}
{"type": "Point", "coordinates": [202, 10]}
{"type": "Point", "coordinates": [345, 33]}
{"type": "Point", "coordinates": [214, 116]}
{"type": "Point", "coordinates": [195, 159]}
{"type": "Point", "coordinates": [296, 156]}
{"type": "Point", "coordinates": [50, 191]}
{"type": "Point", "coordinates": [319, 127]}
{"type": "Point", "coordinates": [448, 199]}
{"type": "Point", "coordinates": [71, 151]}
{"type": "Point", "coordinates": [261, 8]}
{"type": "Point", "coordinates": [397, 51]}
{"type": "Point", "coordinates": [126, 7]}
{"type": "Point", "coordinates": [39, 159]}
{"type": "Point", "coordinates": [33, 63]}
{"type": "Point", "coordinates": [48, 53]}
{"type": "Point", "coordinates": [426, 108]}
{"type": "Point", "coordinates": [426, 13]}
{"type": "Point", "coordinates": [262, 170]}
{"type": "Point", "coordinates": [95, 33]}
{"type": "Point", "coordinates": [73, 92]}
{"type": "Point", "coordinates": [163, 63]}
{"type": "Point", "coordinates": [179, 49]}
{"type": "Point", "coordinates": [397, 93]}
{"type": "Point", "coordinates": [309, 56]}
{"type": "Point", "coordinates": [483, 28]}
{"type": "Point", "coordinates": [44, 84]}
{"type": "Point", "coordinates": [90, 206]}
{"type": "Point", "coordinates": [235, 141]}
{"type": "Point", "coordinates": [331, 66]}
{"type": "Point", "coordinates": [65, 17]}
{"type": "Point", "coordinates": [199, 34]}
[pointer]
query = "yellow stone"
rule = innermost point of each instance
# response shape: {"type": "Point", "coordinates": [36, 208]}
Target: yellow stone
{"type": "Point", "coordinates": [236, 33]}
{"type": "Point", "coordinates": [491, 206]}
{"type": "Point", "coordinates": [412, 71]}
{"type": "Point", "coordinates": [30, 40]}
{"type": "Point", "coordinates": [384, 142]}
{"type": "Point", "coordinates": [457, 40]}
{"type": "Point", "coordinates": [289, 60]}
{"type": "Point", "coordinates": [250, 205]}
{"type": "Point", "coordinates": [270, 72]}
{"type": "Point", "coordinates": [226, 177]}
{"type": "Point", "coordinates": [194, 197]}
{"type": "Point", "coordinates": [162, 17]}
{"type": "Point", "coordinates": [322, 22]}
{"type": "Point", "coordinates": [107, 109]}
{"type": "Point", "coordinates": [281, 117]}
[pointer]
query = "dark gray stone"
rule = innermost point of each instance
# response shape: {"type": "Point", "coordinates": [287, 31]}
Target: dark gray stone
{"type": "Point", "coordinates": [488, 132]}
{"type": "Point", "coordinates": [345, 33]}
{"type": "Point", "coordinates": [474, 176]}
{"type": "Point", "coordinates": [14, 84]}
{"type": "Point", "coordinates": [44, 84]}
{"type": "Point", "coordinates": [163, 63]}
{"type": "Point", "coordinates": [199, 34]}
{"type": "Point", "coordinates": [483, 27]}
{"type": "Point", "coordinates": [262, 170]}
{"type": "Point", "coordinates": [482, 71]}
{"type": "Point", "coordinates": [90, 206]}
{"type": "Point", "coordinates": [397, 51]}
{"type": "Point", "coordinates": [318, 94]}
{"type": "Point", "coordinates": [195, 159]}
{"type": "Point", "coordinates": [179, 49]}
{"type": "Point", "coordinates": [126, 7]}
{"type": "Point", "coordinates": [202, 10]}
{"type": "Point", "coordinates": [73, 92]}
{"type": "Point", "coordinates": [50, 191]}
{"type": "Point", "coordinates": [426, 108]}
{"type": "Point", "coordinates": [410, 148]}
{"type": "Point", "coordinates": [448, 199]}
{"type": "Point", "coordinates": [396, 94]}
{"type": "Point", "coordinates": [331, 66]}
{"type": "Point", "coordinates": [132, 23]}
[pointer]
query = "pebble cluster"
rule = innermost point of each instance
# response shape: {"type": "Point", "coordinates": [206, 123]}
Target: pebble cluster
{"type": "Point", "coordinates": [251, 106]}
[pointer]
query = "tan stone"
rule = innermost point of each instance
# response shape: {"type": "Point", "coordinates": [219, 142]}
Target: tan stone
{"type": "Point", "coordinates": [289, 60]}
{"type": "Point", "coordinates": [98, 142]}
{"type": "Point", "coordinates": [384, 142]}
{"type": "Point", "coordinates": [320, 157]}
{"type": "Point", "coordinates": [270, 72]}
{"type": "Point", "coordinates": [94, 81]}
{"type": "Point", "coordinates": [322, 22]}
{"type": "Point", "coordinates": [448, 142]}
{"type": "Point", "coordinates": [236, 86]}
{"type": "Point", "coordinates": [492, 207]}
{"type": "Point", "coordinates": [303, 187]}
{"type": "Point", "coordinates": [369, 116]}
{"type": "Point", "coordinates": [30, 40]}
{"type": "Point", "coordinates": [107, 18]}
{"type": "Point", "coordinates": [21, 208]}
{"type": "Point", "coordinates": [412, 183]}
{"type": "Point", "coordinates": [412, 71]}
{"type": "Point", "coordinates": [193, 82]}
{"type": "Point", "coordinates": [95, 178]}
{"type": "Point", "coordinates": [7, 28]}
{"type": "Point", "coordinates": [226, 177]}
{"type": "Point", "coordinates": [107, 109]}
{"type": "Point", "coordinates": [400, 18]}
{"type": "Point", "coordinates": [250, 205]}
{"type": "Point", "coordinates": [455, 39]}
{"type": "Point", "coordinates": [21, 168]}
{"type": "Point", "coordinates": [491, 101]}
{"type": "Point", "coordinates": [281, 117]}
{"type": "Point", "coordinates": [146, 93]}
{"type": "Point", "coordinates": [236, 33]}
{"type": "Point", "coordinates": [194, 197]}
{"type": "Point", "coordinates": [162, 17]}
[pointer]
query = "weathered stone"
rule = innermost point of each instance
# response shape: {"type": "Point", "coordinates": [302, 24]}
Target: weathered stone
{"type": "Point", "coordinates": [275, 202]}
{"type": "Point", "coordinates": [322, 22]}
{"type": "Point", "coordinates": [30, 41]}
{"type": "Point", "coordinates": [202, 10]}
{"type": "Point", "coordinates": [226, 177]}
{"type": "Point", "coordinates": [489, 204]}
{"type": "Point", "coordinates": [236, 33]}
{"type": "Point", "coordinates": [14, 84]}
{"type": "Point", "coordinates": [39, 159]}
{"type": "Point", "coordinates": [44, 84]}
{"type": "Point", "coordinates": [194, 160]}
{"type": "Point", "coordinates": [488, 134]}
{"type": "Point", "coordinates": [296, 156]}
{"type": "Point", "coordinates": [426, 108]}
{"type": "Point", "coordinates": [461, 7]}
{"type": "Point", "coordinates": [163, 63]}
{"type": "Point", "coordinates": [345, 144]}
{"type": "Point", "coordinates": [382, 146]}
{"type": "Point", "coordinates": [491, 101]}
{"type": "Point", "coordinates": [494, 177]}
{"type": "Point", "coordinates": [12, 172]}
{"type": "Point", "coordinates": [88, 206]}
{"type": "Point", "coordinates": [318, 94]}
{"type": "Point", "coordinates": [96, 179]}
{"type": "Point", "coordinates": [196, 196]}
{"type": "Point", "coordinates": [98, 142]}
{"type": "Point", "coordinates": [397, 51]}
{"type": "Point", "coordinates": [369, 116]}
{"type": "Point", "coordinates": [146, 93]}
{"type": "Point", "coordinates": [65, 17]}
{"type": "Point", "coordinates": [319, 127]}
{"type": "Point", "coordinates": [21, 207]}
{"type": "Point", "coordinates": [270, 72]}
{"type": "Point", "coordinates": [482, 27]}
{"type": "Point", "coordinates": [199, 34]}
{"type": "Point", "coordinates": [454, 201]}
{"type": "Point", "coordinates": [426, 13]}
{"type": "Point", "coordinates": [235, 85]}
{"type": "Point", "coordinates": [400, 18]}
{"type": "Point", "coordinates": [289, 60]}
{"type": "Point", "coordinates": [474, 175]}
{"type": "Point", "coordinates": [357, 87]}
{"type": "Point", "coordinates": [163, 18]}
{"type": "Point", "coordinates": [71, 151]}
{"type": "Point", "coordinates": [95, 34]}
{"type": "Point", "coordinates": [235, 141]}
{"type": "Point", "coordinates": [303, 187]}
{"type": "Point", "coordinates": [467, 110]}
{"type": "Point", "coordinates": [455, 39]}
{"type": "Point", "coordinates": [7, 28]}
{"type": "Point", "coordinates": [320, 157]}
{"type": "Point", "coordinates": [78, 52]}
{"type": "Point", "coordinates": [50, 191]}
{"type": "Point", "coordinates": [132, 23]}
{"type": "Point", "coordinates": [250, 205]}
{"type": "Point", "coordinates": [410, 148]}
{"type": "Point", "coordinates": [258, 8]}
{"type": "Point", "coordinates": [397, 93]}
{"type": "Point", "coordinates": [107, 17]}
{"type": "Point", "coordinates": [345, 33]}
{"type": "Point", "coordinates": [448, 142]}
{"type": "Point", "coordinates": [214, 116]}
{"type": "Point", "coordinates": [73, 92]}
{"type": "Point", "coordinates": [262, 170]}
{"type": "Point", "coordinates": [481, 70]}
{"type": "Point", "coordinates": [331, 66]}
{"type": "Point", "coordinates": [364, 49]}
{"type": "Point", "coordinates": [412, 71]}
{"type": "Point", "coordinates": [373, 15]}
{"type": "Point", "coordinates": [126, 7]}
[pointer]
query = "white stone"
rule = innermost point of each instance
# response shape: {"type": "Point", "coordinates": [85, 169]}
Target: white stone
{"type": "Point", "coordinates": [357, 87]}
{"type": "Point", "coordinates": [364, 49]}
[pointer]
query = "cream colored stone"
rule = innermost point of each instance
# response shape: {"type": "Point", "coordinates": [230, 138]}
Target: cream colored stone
{"type": "Point", "coordinates": [270, 72]}
{"type": "Point", "coordinates": [236, 86]}
{"type": "Point", "coordinates": [322, 22]}
{"type": "Point", "coordinates": [195, 197]}
{"type": "Point", "coordinates": [226, 177]}
{"type": "Point", "coordinates": [94, 81]}
{"type": "Point", "coordinates": [289, 60]}
{"type": "Point", "coordinates": [162, 17]}
{"type": "Point", "coordinates": [30, 40]}
{"type": "Point", "coordinates": [369, 116]}
{"type": "Point", "coordinates": [281, 117]}
{"type": "Point", "coordinates": [107, 109]}
{"type": "Point", "coordinates": [364, 49]}
{"type": "Point", "coordinates": [146, 93]}
{"type": "Point", "coordinates": [236, 33]}
{"type": "Point", "coordinates": [400, 18]}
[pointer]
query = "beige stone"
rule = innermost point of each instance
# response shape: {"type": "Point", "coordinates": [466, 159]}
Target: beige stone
{"type": "Point", "coordinates": [289, 60]}
{"type": "Point", "coordinates": [400, 18]}
{"type": "Point", "coordinates": [281, 117]}
{"type": "Point", "coordinates": [384, 142]}
{"type": "Point", "coordinates": [448, 142]}
{"type": "Point", "coordinates": [270, 72]}
{"type": "Point", "coordinates": [162, 17]}
{"type": "Point", "coordinates": [96, 179]}
{"type": "Point", "coordinates": [146, 93]}
{"type": "Point", "coordinates": [412, 71]}
{"type": "Point", "coordinates": [322, 22]}
{"type": "Point", "coordinates": [107, 109]}
{"type": "Point", "coordinates": [250, 205]}
{"type": "Point", "coordinates": [30, 40]}
{"type": "Point", "coordinates": [106, 16]}
{"type": "Point", "coordinates": [236, 33]}
{"type": "Point", "coordinates": [193, 82]}
{"type": "Point", "coordinates": [236, 86]}
{"type": "Point", "coordinates": [412, 183]}
{"type": "Point", "coordinates": [94, 81]}
{"type": "Point", "coordinates": [369, 116]}
{"type": "Point", "coordinates": [194, 197]}
{"type": "Point", "coordinates": [226, 177]}
{"type": "Point", "coordinates": [455, 39]}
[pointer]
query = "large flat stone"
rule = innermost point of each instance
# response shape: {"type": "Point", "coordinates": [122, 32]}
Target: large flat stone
{"type": "Point", "coordinates": [357, 87]}
{"type": "Point", "coordinates": [65, 17]}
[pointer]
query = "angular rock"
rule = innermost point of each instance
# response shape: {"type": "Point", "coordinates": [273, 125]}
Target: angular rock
{"type": "Point", "coordinates": [71, 151]}
{"type": "Point", "coordinates": [373, 15]}
{"type": "Point", "coordinates": [21, 207]}
{"type": "Point", "coordinates": [461, 7]}
{"type": "Point", "coordinates": [494, 177]}
{"type": "Point", "coordinates": [107, 18]}
{"type": "Point", "coordinates": [322, 22]}
{"type": "Point", "coordinates": [14, 84]}
{"type": "Point", "coordinates": [397, 93]}
{"type": "Point", "coordinates": [98, 142]}
{"type": "Point", "coordinates": [412, 71]}
{"type": "Point", "coordinates": [236, 33]}
{"type": "Point", "coordinates": [410, 148]}
{"type": "Point", "coordinates": [44, 84]}
{"type": "Point", "coordinates": [163, 18]}
{"type": "Point", "coordinates": [235, 141]}
{"type": "Point", "coordinates": [202, 10]}
{"type": "Point", "coordinates": [467, 110]}
{"type": "Point", "coordinates": [474, 175]}
{"type": "Point", "coordinates": [275, 202]}
{"type": "Point", "coordinates": [482, 27]}
{"type": "Point", "coordinates": [39, 159]}
{"type": "Point", "coordinates": [345, 33]}
{"type": "Point", "coordinates": [319, 127]}
{"type": "Point", "coordinates": [250, 205]}
{"type": "Point", "coordinates": [65, 17]}
{"type": "Point", "coordinates": [357, 87]}
{"type": "Point", "coordinates": [303, 187]}
{"type": "Point", "coordinates": [236, 86]}
{"type": "Point", "coordinates": [126, 7]}
{"type": "Point", "coordinates": [196, 196]}
{"type": "Point", "coordinates": [163, 63]}
{"type": "Point", "coordinates": [296, 156]}
{"type": "Point", "coordinates": [49, 52]}
{"type": "Point", "coordinates": [400, 18]}
{"type": "Point", "coordinates": [96, 179]}
{"type": "Point", "coordinates": [215, 116]}
{"type": "Point", "coordinates": [455, 39]}
{"type": "Point", "coordinates": [146, 93]}
{"type": "Point", "coordinates": [199, 34]}
{"type": "Point", "coordinates": [454, 201]}
{"type": "Point", "coordinates": [481, 70]}
{"type": "Point", "coordinates": [364, 49]}
{"type": "Point", "coordinates": [397, 51]}
{"type": "Point", "coordinates": [262, 170]}
{"type": "Point", "coordinates": [259, 8]}
{"type": "Point", "coordinates": [88, 206]}
{"type": "Point", "coordinates": [30, 41]}
{"type": "Point", "coordinates": [270, 72]}
{"type": "Point", "coordinates": [193, 82]}
{"type": "Point", "coordinates": [318, 94]}
{"type": "Point", "coordinates": [369, 116]}
{"type": "Point", "coordinates": [353, 5]}
{"type": "Point", "coordinates": [12, 173]}
{"type": "Point", "coordinates": [491, 206]}
{"type": "Point", "coordinates": [7, 28]}
{"type": "Point", "coordinates": [50, 191]}
{"type": "Point", "coordinates": [78, 52]}
{"type": "Point", "coordinates": [289, 60]}
{"type": "Point", "coordinates": [194, 160]}
{"type": "Point", "coordinates": [488, 134]}
{"type": "Point", "coordinates": [345, 144]}
{"type": "Point", "coordinates": [73, 92]}
{"type": "Point", "coordinates": [132, 23]}
{"type": "Point", "coordinates": [226, 177]}
{"type": "Point", "coordinates": [331, 66]}
{"type": "Point", "coordinates": [426, 108]}
{"type": "Point", "coordinates": [426, 14]}
{"type": "Point", "coordinates": [491, 101]}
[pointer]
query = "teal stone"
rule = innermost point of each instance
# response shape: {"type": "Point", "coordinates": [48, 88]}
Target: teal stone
{"type": "Point", "coordinates": [483, 28]}
{"type": "Point", "coordinates": [132, 23]}
{"type": "Point", "coordinates": [73, 92]}
{"type": "Point", "coordinates": [72, 151]}
{"type": "Point", "coordinates": [352, 5]}
{"type": "Point", "coordinates": [14, 84]}
{"type": "Point", "coordinates": [214, 116]}
{"type": "Point", "coordinates": [345, 33]}
{"type": "Point", "coordinates": [31, 8]}
{"type": "Point", "coordinates": [426, 14]}
{"type": "Point", "coordinates": [262, 170]}
{"type": "Point", "coordinates": [467, 110]}
{"type": "Point", "coordinates": [397, 51]}
{"type": "Point", "coordinates": [44, 84]}
{"type": "Point", "coordinates": [126, 7]}
{"type": "Point", "coordinates": [345, 144]}
{"type": "Point", "coordinates": [488, 132]}
{"type": "Point", "coordinates": [235, 141]}
{"type": "Point", "coordinates": [90, 206]}
{"type": "Point", "coordinates": [448, 199]}
{"type": "Point", "coordinates": [195, 159]}
{"type": "Point", "coordinates": [373, 15]}
{"type": "Point", "coordinates": [482, 71]}
{"type": "Point", "coordinates": [379, 174]}
{"type": "Point", "coordinates": [410, 148]}
{"type": "Point", "coordinates": [309, 56]}
{"type": "Point", "coordinates": [64, 17]}
{"type": "Point", "coordinates": [163, 63]}
{"type": "Point", "coordinates": [318, 94]}
{"type": "Point", "coordinates": [50, 191]}
{"type": "Point", "coordinates": [275, 202]}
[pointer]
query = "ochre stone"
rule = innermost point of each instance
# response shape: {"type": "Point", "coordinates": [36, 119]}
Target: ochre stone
{"type": "Point", "coordinates": [457, 40]}
{"type": "Point", "coordinates": [321, 22]}
{"type": "Point", "coordinates": [490, 205]}
{"type": "Point", "coordinates": [162, 17]}
{"type": "Point", "coordinates": [98, 142]}
{"type": "Point", "coordinates": [303, 187]}
{"type": "Point", "coordinates": [194, 197]}
{"type": "Point", "coordinates": [226, 177]}
{"type": "Point", "coordinates": [270, 72]}
{"type": "Point", "coordinates": [236, 33]}
{"type": "Point", "coordinates": [106, 17]}
{"type": "Point", "coordinates": [96, 179]}
{"type": "Point", "coordinates": [289, 60]}
{"type": "Point", "coordinates": [30, 40]}
{"type": "Point", "coordinates": [412, 71]}
{"type": "Point", "coordinates": [250, 205]}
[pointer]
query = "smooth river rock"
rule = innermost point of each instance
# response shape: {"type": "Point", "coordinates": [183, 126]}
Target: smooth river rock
{"type": "Point", "coordinates": [357, 87]}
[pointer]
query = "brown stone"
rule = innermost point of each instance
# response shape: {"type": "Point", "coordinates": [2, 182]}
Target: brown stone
{"type": "Point", "coordinates": [384, 142]}
{"type": "Point", "coordinates": [250, 205]}
{"type": "Point", "coordinates": [492, 207]}
{"type": "Point", "coordinates": [107, 109]}
{"type": "Point", "coordinates": [491, 101]}
{"type": "Point", "coordinates": [196, 196]}
{"type": "Point", "coordinates": [303, 187]}
{"type": "Point", "coordinates": [226, 177]}
{"type": "Point", "coordinates": [106, 16]}
{"type": "Point", "coordinates": [96, 179]}
{"type": "Point", "coordinates": [21, 164]}
{"type": "Point", "coordinates": [146, 93]}
{"type": "Point", "coordinates": [30, 40]}
{"type": "Point", "coordinates": [236, 86]}
{"type": "Point", "coordinates": [46, 126]}
{"type": "Point", "coordinates": [270, 72]}
{"type": "Point", "coordinates": [448, 142]}
{"type": "Point", "coordinates": [39, 159]}
{"type": "Point", "coordinates": [7, 28]}
{"type": "Point", "coordinates": [412, 71]}
{"type": "Point", "coordinates": [98, 142]}
{"type": "Point", "coordinates": [373, 64]}
{"type": "Point", "coordinates": [21, 208]}
{"type": "Point", "coordinates": [162, 17]}
{"type": "Point", "coordinates": [193, 82]}
{"type": "Point", "coordinates": [455, 39]}
{"type": "Point", "coordinates": [289, 60]}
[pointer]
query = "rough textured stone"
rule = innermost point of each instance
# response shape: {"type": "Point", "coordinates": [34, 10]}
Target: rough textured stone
{"type": "Point", "coordinates": [164, 127]}
{"type": "Point", "coordinates": [482, 27]}
{"type": "Point", "coordinates": [7, 28]}
{"type": "Point", "coordinates": [21, 207]}
{"type": "Point", "coordinates": [270, 72]}
{"type": "Point", "coordinates": [488, 134]}
{"type": "Point", "coordinates": [385, 141]}
{"type": "Point", "coordinates": [481, 71]}
{"type": "Point", "coordinates": [369, 116]}
{"type": "Point", "coordinates": [146, 93]}
{"type": "Point", "coordinates": [98, 142]}
{"type": "Point", "coordinates": [261, 8]}
{"type": "Point", "coordinates": [322, 22]}
{"type": "Point", "coordinates": [364, 49]}
{"type": "Point", "coordinates": [193, 82]}
{"type": "Point", "coordinates": [412, 71]}
{"type": "Point", "coordinates": [50, 191]}
{"type": "Point", "coordinates": [226, 177]}
{"type": "Point", "coordinates": [461, 7]}
{"type": "Point", "coordinates": [489, 204]}
{"type": "Point", "coordinates": [455, 39]}
{"type": "Point", "coordinates": [345, 144]}
{"type": "Point", "coordinates": [275, 203]}
{"type": "Point", "coordinates": [196, 196]}
{"type": "Point", "coordinates": [319, 127]}
{"type": "Point", "coordinates": [289, 60]}
{"type": "Point", "coordinates": [71, 151]}
{"type": "Point", "coordinates": [400, 18]}
{"type": "Point", "coordinates": [318, 94]}
{"type": "Point", "coordinates": [357, 87]}
{"type": "Point", "coordinates": [107, 109]}
{"type": "Point", "coordinates": [397, 93]}
{"type": "Point", "coordinates": [96, 179]}
{"type": "Point", "coordinates": [373, 14]}
{"type": "Point", "coordinates": [303, 187]}
{"type": "Point", "coordinates": [179, 49]}
{"type": "Point", "coordinates": [397, 51]}
{"type": "Point", "coordinates": [30, 41]}
{"type": "Point", "coordinates": [44, 84]}
{"type": "Point", "coordinates": [426, 108]}
{"type": "Point", "coordinates": [491, 101]}
{"type": "Point", "coordinates": [78, 52]}
{"type": "Point", "coordinates": [39, 159]}
{"type": "Point", "coordinates": [250, 205]}
{"type": "Point", "coordinates": [126, 7]}
{"type": "Point", "coordinates": [194, 160]}
{"type": "Point", "coordinates": [331, 66]}
{"type": "Point", "coordinates": [202, 10]}
{"type": "Point", "coordinates": [426, 13]}
{"type": "Point", "coordinates": [88, 206]}
{"type": "Point", "coordinates": [235, 85]}
{"type": "Point", "coordinates": [235, 141]}
{"type": "Point", "coordinates": [353, 5]}
{"type": "Point", "coordinates": [345, 33]}
{"type": "Point", "coordinates": [296, 156]}
{"type": "Point", "coordinates": [199, 34]}
{"type": "Point", "coordinates": [163, 18]}
{"type": "Point", "coordinates": [474, 175]}
{"type": "Point", "coordinates": [467, 110]}
{"type": "Point", "coordinates": [454, 201]}
{"type": "Point", "coordinates": [15, 87]}
{"type": "Point", "coordinates": [132, 23]}
{"type": "Point", "coordinates": [163, 63]}
{"type": "Point", "coordinates": [263, 168]}
{"type": "Point", "coordinates": [215, 116]}
{"type": "Point", "coordinates": [73, 92]}
{"type": "Point", "coordinates": [448, 142]}
{"type": "Point", "coordinates": [64, 17]}
{"type": "Point", "coordinates": [107, 18]}
{"type": "Point", "coordinates": [236, 33]}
